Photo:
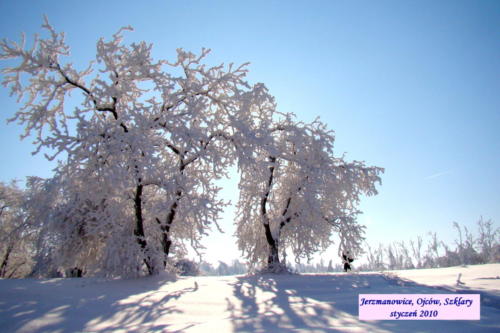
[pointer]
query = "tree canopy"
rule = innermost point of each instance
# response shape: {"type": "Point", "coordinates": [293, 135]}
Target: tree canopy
{"type": "Point", "coordinates": [139, 155]}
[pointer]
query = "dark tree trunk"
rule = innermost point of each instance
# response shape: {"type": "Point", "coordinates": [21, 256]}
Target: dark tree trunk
{"type": "Point", "coordinates": [139, 227]}
{"type": "Point", "coordinates": [166, 242]}
{"type": "Point", "coordinates": [5, 261]}
{"type": "Point", "coordinates": [13, 271]}
{"type": "Point", "coordinates": [273, 259]}
{"type": "Point", "coordinates": [75, 272]}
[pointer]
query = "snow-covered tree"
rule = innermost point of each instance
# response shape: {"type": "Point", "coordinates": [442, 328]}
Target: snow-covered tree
{"type": "Point", "coordinates": [488, 239]}
{"type": "Point", "coordinates": [297, 194]}
{"type": "Point", "coordinates": [416, 248]}
{"type": "Point", "coordinates": [16, 241]}
{"type": "Point", "coordinates": [431, 257]}
{"type": "Point", "coordinates": [330, 267]}
{"type": "Point", "coordinates": [375, 258]}
{"type": "Point", "coordinates": [138, 155]}
{"type": "Point", "coordinates": [466, 246]}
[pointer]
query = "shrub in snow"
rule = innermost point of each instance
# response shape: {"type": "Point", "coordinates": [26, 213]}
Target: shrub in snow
{"type": "Point", "coordinates": [186, 267]}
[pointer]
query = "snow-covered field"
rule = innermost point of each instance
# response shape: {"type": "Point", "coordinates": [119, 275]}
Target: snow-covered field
{"type": "Point", "coordinates": [482, 278]}
{"type": "Point", "coordinates": [285, 303]}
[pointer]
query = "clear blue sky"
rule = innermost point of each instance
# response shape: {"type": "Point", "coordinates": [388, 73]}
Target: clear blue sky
{"type": "Point", "coordinates": [411, 86]}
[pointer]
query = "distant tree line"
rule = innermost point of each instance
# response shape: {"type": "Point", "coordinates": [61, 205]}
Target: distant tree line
{"type": "Point", "coordinates": [187, 267]}
{"type": "Point", "coordinates": [318, 267]}
{"type": "Point", "coordinates": [468, 249]}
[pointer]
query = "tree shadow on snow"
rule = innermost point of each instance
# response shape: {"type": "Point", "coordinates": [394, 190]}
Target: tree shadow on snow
{"type": "Point", "coordinates": [329, 303]}
{"type": "Point", "coordinates": [71, 305]}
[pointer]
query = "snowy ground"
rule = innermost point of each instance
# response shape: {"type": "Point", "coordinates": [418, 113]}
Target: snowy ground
{"type": "Point", "coordinates": [289, 303]}
{"type": "Point", "coordinates": [475, 277]}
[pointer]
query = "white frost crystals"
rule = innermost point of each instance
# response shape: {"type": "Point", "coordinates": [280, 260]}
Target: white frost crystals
{"type": "Point", "coordinates": [144, 146]}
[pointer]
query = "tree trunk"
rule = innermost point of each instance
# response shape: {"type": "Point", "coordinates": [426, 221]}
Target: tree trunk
{"type": "Point", "coordinates": [14, 270]}
{"type": "Point", "coordinates": [273, 260]}
{"type": "Point", "coordinates": [5, 261]}
{"type": "Point", "coordinates": [166, 242]}
{"type": "Point", "coordinates": [139, 228]}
